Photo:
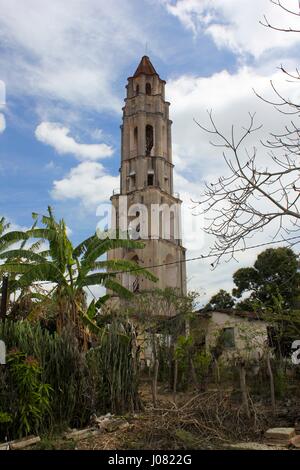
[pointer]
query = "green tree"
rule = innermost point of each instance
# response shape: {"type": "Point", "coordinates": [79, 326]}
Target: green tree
{"type": "Point", "coordinates": [68, 270]}
{"type": "Point", "coordinates": [221, 300]}
{"type": "Point", "coordinates": [274, 276]}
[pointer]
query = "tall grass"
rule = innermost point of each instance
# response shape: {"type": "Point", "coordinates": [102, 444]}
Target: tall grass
{"type": "Point", "coordinates": [114, 367]}
{"type": "Point", "coordinates": [103, 379]}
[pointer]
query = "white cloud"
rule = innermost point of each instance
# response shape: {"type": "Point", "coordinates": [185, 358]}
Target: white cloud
{"type": "Point", "coordinates": [88, 182]}
{"type": "Point", "coordinates": [94, 292]}
{"type": "Point", "coordinates": [231, 98]}
{"type": "Point", "coordinates": [51, 166]}
{"type": "Point", "coordinates": [58, 137]}
{"type": "Point", "coordinates": [69, 231]}
{"type": "Point", "coordinates": [97, 134]}
{"type": "Point", "coordinates": [69, 51]}
{"type": "Point", "coordinates": [2, 105]}
{"type": "Point", "coordinates": [2, 123]}
{"type": "Point", "coordinates": [234, 24]}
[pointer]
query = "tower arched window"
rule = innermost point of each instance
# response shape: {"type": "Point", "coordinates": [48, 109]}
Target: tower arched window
{"type": "Point", "coordinates": [148, 89]}
{"type": "Point", "coordinates": [137, 90]}
{"type": "Point", "coordinates": [149, 139]}
{"type": "Point", "coordinates": [134, 282]}
{"type": "Point", "coordinates": [135, 139]}
{"type": "Point", "coordinates": [150, 179]}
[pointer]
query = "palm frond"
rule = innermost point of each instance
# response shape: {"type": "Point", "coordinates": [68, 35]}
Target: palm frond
{"type": "Point", "coordinates": [46, 271]}
{"type": "Point", "coordinates": [4, 225]}
{"type": "Point", "coordinates": [15, 268]}
{"type": "Point", "coordinates": [99, 247]}
{"type": "Point", "coordinates": [83, 246]}
{"type": "Point", "coordinates": [92, 279]}
{"type": "Point", "coordinates": [117, 288]}
{"type": "Point", "coordinates": [22, 254]}
{"type": "Point", "coordinates": [101, 301]}
{"type": "Point", "coordinates": [120, 265]}
{"type": "Point", "coordinates": [12, 237]}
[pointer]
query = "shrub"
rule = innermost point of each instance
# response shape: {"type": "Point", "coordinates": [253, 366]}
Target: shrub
{"type": "Point", "coordinates": [47, 365]}
{"type": "Point", "coordinates": [182, 354]}
{"type": "Point", "coordinates": [63, 367]}
{"type": "Point", "coordinates": [33, 396]}
{"type": "Point", "coordinates": [114, 368]}
{"type": "Point", "coordinates": [202, 362]}
{"type": "Point", "coordinates": [5, 421]}
{"type": "Point", "coordinates": [280, 382]}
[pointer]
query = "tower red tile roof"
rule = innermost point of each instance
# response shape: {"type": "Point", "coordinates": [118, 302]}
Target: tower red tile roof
{"type": "Point", "coordinates": [145, 67]}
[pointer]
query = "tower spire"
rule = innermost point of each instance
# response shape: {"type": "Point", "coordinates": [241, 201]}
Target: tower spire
{"type": "Point", "coordinates": [145, 67]}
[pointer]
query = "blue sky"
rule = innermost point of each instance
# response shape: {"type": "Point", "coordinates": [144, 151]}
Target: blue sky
{"type": "Point", "coordinates": [65, 66]}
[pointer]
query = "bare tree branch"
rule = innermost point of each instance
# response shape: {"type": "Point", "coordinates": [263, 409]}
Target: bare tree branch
{"type": "Point", "coordinates": [249, 197]}
{"type": "Point", "coordinates": [282, 6]}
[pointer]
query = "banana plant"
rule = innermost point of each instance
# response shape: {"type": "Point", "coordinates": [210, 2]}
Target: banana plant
{"type": "Point", "coordinates": [17, 239]}
{"type": "Point", "coordinates": [68, 270]}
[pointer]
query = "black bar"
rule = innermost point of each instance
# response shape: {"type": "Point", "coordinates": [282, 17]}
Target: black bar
{"type": "Point", "coordinates": [150, 459]}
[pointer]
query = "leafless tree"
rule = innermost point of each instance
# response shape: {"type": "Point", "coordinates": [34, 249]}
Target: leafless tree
{"type": "Point", "coordinates": [251, 196]}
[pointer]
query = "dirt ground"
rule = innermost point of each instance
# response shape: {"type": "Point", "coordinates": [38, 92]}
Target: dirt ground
{"type": "Point", "coordinates": [193, 421]}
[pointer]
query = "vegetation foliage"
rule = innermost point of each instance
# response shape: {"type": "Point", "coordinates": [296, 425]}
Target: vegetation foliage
{"type": "Point", "coordinates": [66, 270]}
{"type": "Point", "coordinates": [50, 383]}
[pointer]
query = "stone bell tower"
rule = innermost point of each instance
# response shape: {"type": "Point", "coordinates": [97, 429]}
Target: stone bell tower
{"type": "Point", "coordinates": [146, 181]}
